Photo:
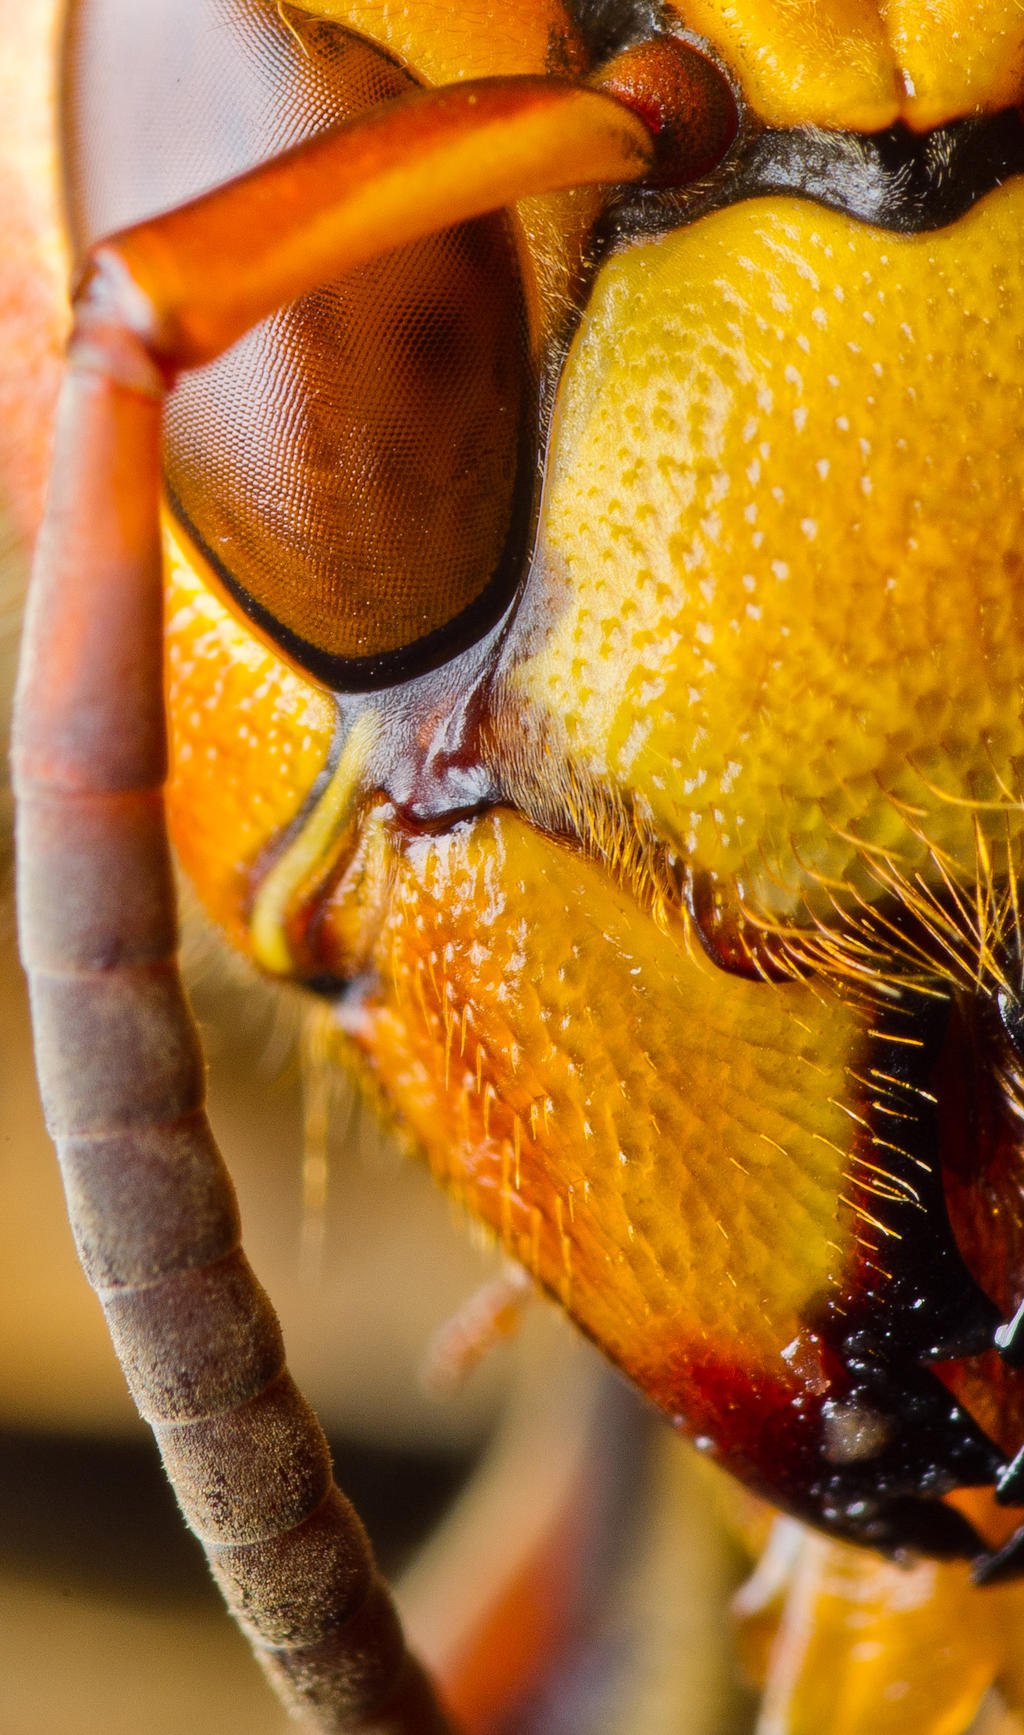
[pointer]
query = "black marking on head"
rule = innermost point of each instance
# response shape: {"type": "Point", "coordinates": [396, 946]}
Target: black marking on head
{"type": "Point", "coordinates": [898, 180]}
{"type": "Point", "coordinates": [608, 26]}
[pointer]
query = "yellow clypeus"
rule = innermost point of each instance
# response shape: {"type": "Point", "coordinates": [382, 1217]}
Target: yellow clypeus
{"type": "Point", "coordinates": [779, 602]}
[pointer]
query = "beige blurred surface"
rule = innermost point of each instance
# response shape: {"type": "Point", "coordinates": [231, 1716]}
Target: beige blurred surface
{"type": "Point", "coordinates": [94, 1666]}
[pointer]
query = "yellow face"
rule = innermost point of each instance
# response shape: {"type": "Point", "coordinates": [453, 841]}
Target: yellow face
{"type": "Point", "coordinates": [670, 907]}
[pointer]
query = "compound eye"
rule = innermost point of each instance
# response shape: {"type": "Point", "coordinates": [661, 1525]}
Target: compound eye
{"type": "Point", "coordinates": [357, 470]}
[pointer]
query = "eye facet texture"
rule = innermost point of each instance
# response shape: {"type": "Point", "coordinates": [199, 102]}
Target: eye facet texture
{"type": "Point", "coordinates": [350, 467]}
{"type": "Point", "coordinates": [354, 469]}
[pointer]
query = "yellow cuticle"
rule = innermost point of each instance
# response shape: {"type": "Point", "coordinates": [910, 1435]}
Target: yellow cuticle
{"type": "Point", "coordinates": [311, 853]}
{"type": "Point", "coordinates": [803, 574]}
{"type": "Point", "coordinates": [862, 65]}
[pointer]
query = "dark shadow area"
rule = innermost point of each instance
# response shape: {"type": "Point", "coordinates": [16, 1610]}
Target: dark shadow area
{"type": "Point", "coordinates": [92, 1515]}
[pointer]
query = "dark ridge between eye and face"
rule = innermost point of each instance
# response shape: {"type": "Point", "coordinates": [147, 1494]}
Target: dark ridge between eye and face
{"type": "Point", "coordinates": [907, 182]}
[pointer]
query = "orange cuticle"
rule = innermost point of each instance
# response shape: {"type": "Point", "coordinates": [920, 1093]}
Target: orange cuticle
{"type": "Point", "coordinates": [560, 1059]}
{"type": "Point", "coordinates": [249, 737]}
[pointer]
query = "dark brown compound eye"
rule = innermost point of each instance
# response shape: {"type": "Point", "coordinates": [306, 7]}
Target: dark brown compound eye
{"type": "Point", "coordinates": [358, 470]}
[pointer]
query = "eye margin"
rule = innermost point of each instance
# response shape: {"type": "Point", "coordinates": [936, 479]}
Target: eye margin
{"type": "Point", "coordinates": [380, 670]}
